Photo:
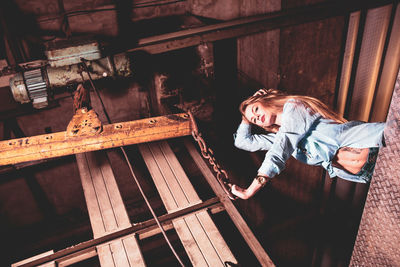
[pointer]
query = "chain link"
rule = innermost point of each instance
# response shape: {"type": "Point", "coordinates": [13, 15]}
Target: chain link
{"type": "Point", "coordinates": [208, 154]}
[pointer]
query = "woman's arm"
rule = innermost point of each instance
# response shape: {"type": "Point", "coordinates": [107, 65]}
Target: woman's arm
{"type": "Point", "coordinates": [259, 182]}
{"type": "Point", "coordinates": [244, 139]}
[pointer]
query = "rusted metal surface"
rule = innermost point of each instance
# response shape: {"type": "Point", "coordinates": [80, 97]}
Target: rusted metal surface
{"type": "Point", "coordinates": [81, 98]}
{"type": "Point", "coordinates": [61, 55]}
{"type": "Point", "coordinates": [113, 135]}
{"type": "Point", "coordinates": [85, 120]}
{"type": "Point", "coordinates": [100, 68]}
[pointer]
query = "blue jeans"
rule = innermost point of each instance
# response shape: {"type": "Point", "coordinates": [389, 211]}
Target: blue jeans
{"type": "Point", "coordinates": [365, 174]}
{"type": "Point", "coordinates": [368, 168]}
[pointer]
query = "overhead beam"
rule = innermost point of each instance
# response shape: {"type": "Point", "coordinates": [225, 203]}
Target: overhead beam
{"type": "Point", "coordinates": [113, 135]}
{"type": "Point", "coordinates": [250, 25]}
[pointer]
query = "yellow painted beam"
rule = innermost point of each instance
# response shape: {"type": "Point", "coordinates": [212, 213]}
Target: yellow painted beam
{"type": "Point", "coordinates": [113, 135]}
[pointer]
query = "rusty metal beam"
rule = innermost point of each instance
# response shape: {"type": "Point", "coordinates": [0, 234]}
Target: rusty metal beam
{"type": "Point", "coordinates": [147, 226]}
{"type": "Point", "coordinates": [113, 135]}
{"type": "Point", "coordinates": [250, 25]}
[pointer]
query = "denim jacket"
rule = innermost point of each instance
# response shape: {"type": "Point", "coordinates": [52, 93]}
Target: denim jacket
{"type": "Point", "coordinates": [309, 138]}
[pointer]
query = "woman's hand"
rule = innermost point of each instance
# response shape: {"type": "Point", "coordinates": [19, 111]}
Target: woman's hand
{"type": "Point", "coordinates": [240, 192]}
{"type": "Point", "coordinates": [259, 182]}
{"type": "Point", "coordinates": [262, 91]}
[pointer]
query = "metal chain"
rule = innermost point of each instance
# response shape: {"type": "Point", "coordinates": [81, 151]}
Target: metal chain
{"type": "Point", "coordinates": [208, 154]}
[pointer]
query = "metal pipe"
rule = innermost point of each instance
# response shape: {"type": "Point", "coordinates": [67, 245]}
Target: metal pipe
{"type": "Point", "coordinates": [150, 224]}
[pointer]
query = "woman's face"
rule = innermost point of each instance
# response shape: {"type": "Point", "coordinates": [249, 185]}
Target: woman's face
{"type": "Point", "coordinates": [259, 115]}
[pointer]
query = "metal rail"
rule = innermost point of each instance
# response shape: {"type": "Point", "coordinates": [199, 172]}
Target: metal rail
{"type": "Point", "coordinates": [250, 25]}
{"type": "Point", "coordinates": [145, 226]}
{"type": "Point", "coordinates": [113, 135]}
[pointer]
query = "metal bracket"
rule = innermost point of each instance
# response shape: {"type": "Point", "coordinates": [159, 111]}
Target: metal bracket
{"type": "Point", "coordinates": [84, 123]}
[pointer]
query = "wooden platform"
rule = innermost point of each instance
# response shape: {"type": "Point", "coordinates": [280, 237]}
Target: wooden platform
{"type": "Point", "coordinates": [200, 237]}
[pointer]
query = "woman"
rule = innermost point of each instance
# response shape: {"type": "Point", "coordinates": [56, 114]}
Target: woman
{"type": "Point", "coordinates": [305, 128]}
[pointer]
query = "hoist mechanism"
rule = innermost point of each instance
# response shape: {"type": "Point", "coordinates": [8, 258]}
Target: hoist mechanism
{"type": "Point", "coordinates": [36, 82]}
{"type": "Point", "coordinates": [86, 133]}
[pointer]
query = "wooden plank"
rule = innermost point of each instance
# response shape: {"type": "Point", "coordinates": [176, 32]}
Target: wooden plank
{"type": "Point", "coordinates": [107, 211]}
{"type": "Point", "coordinates": [120, 257]}
{"type": "Point", "coordinates": [135, 256]}
{"type": "Point", "coordinates": [192, 249]}
{"type": "Point", "coordinates": [105, 255]}
{"type": "Point", "coordinates": [90, 195]}
{"type": "Point", "coordinates": [236, 217]}
{"type": "Point", "coordinates": [198, 233]}
{"type": "Point", "coordinates": [201, 220]}
{"type": "Point", "coordinates": [113, 135]}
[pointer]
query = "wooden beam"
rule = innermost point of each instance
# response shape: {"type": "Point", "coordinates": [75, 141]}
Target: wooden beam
{"type": "Point", "coordinates": [236, 217]}
{"type": "Point", "coordinates": [113, 135]}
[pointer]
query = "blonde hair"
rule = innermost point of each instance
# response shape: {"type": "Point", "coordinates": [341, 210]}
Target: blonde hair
{"type": "Point", "coordinates": [274, 100]}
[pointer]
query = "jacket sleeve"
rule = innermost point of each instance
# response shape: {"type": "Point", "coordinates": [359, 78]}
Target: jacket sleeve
{"type": "Point", "coordinates": [243, 139]}
{"type": "Point", "coordinates": [296, 120]}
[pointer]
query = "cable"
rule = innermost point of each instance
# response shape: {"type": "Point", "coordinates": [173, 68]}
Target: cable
{"type": "Point", "coordinates": [132, 173]}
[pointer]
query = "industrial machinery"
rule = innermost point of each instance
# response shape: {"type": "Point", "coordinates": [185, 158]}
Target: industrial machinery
{"type": "Point", "coordinates": [37, 82]}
